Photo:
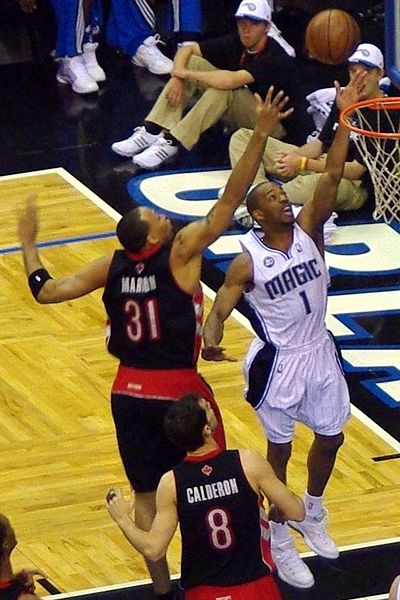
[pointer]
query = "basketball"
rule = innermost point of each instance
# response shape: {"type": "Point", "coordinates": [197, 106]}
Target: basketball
{"type": "Point", "coordinates": [332, 35]}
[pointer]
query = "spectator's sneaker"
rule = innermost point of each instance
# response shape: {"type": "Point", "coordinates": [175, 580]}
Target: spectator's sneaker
{"type": "Point", "coordinates": [315, 535]}
{"type": "Point", "coordinates": [291, 568]}
{"type": "Point", "coordinates": [72, 70]}
{"type": "Point", "coordinates": [243, 217]}
{"type": "Point", "coordinates": [150, 57]}
{"type": "Point", "coordinates": [92, 66]}
{"type": "Point", "coordinates": [161, 152]}
{"type": "Point", "coordinates": [135, 143]}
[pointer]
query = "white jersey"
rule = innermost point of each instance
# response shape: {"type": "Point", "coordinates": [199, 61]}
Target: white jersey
{"type": "Point", "coordinates": [289, 295]}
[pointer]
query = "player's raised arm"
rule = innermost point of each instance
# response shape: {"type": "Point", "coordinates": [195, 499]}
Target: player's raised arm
{"type": "Point", "coordinates": [193, 239]}
{"type": "Point", "coordinates": [240, 272]}
{"type": "Point", "coordinates": [319, 209]}
{"type": "Point", "coordinates": [151, 544]}
{"type": "Point", "coordinates": [45, 289]}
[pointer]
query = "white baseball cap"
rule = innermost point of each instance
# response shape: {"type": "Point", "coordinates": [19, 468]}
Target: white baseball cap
{"type": "Point", "coordinates": [368, 55]}
{"type": "Point", "coordinates": [256, 10]}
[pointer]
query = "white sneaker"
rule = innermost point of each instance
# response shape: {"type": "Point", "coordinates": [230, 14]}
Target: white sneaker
{"type": "Point", "coordinates": [291, 568]}
{"type": "Point", "coordinates": [135, 143]}
{"type": "Point", "coordinates": [92, 66]}
{"type": "Point", "coordinates": [72, 70]}
{"type": "Point", "coordinates": [150, 57]}
{"type": "Point", "coordinates": [315, 535]}
{"type": "Point", "coordinates": [243, 217]}
{"type": "Point", "coordinates": [162, 151]}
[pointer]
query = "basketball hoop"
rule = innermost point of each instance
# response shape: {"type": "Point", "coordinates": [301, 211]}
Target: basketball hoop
{"type": "Point", "coordinates": [375, 124]}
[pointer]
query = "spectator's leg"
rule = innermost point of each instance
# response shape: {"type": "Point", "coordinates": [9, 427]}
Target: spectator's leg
{"type": "Point", "coordinates": [238, 144]}
{"type": "Point", "coordinates": [69, 15]}
{"type": "Point", "coordinates": [169, 117]}
{"type": "Point", "coordinates": [187, 20]}
{"type": "Point", "coordinates": [129, 24]}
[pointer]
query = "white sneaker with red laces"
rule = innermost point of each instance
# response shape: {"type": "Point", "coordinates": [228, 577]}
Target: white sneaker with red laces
{"type": "Point", "coordinates": [315, 535]}
{"type": "Point", "coordinates": [291, 568]}
{"type": "Point", "coordinates": [150, 57]}
{"type": "Point", "coordinates": [159, 153]}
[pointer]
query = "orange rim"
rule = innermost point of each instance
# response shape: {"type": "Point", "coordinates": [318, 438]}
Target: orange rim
{"type": "Point", "coordinates": [391, 103]}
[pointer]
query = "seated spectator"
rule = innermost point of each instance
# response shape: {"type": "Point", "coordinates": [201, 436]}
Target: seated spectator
{"type": "Point", "coordinates": [227, 71]}
{"type": "Point", "coordinates": [13, 586]}
{"type": "Point", "coordinates": [300, 167]}
{"type": "Point", "coordinates": [78, 22]}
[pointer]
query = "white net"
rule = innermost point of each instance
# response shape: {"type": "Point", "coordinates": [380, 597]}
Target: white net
{"type": "Point", "coordinates": [381, 156]}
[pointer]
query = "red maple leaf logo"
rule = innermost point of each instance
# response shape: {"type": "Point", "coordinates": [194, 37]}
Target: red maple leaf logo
{"type": "Point", "coordinates": [139, 268]}
{"type": "Point", "coordinates": [207, 470]}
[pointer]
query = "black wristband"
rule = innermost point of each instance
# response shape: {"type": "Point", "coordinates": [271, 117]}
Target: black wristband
{"type": "Point", "coordinates": [36, 281]}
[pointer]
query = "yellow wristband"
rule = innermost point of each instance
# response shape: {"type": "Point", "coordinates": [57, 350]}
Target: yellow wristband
{"type": "Point", "coordinates": [303, 163]}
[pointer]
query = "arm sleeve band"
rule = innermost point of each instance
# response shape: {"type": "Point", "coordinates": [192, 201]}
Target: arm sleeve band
{"type": "Point", "coordinates": [36, 281]}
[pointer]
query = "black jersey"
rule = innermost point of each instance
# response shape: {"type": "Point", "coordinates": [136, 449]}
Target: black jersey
{"type": "Point", "coordinates": [153, 323]}
{"type": "Point", "coordinates": [11, 590]}
{"type": "Point", "coordinates": [219, 517]}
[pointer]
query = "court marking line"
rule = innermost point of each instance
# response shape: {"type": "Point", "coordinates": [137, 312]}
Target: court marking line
{"type": "Point", "coordinates": [62, 241]}
{"type": "Point", "coordinates": [142, 582]}
{"type": "Point", "coordinates": [381, 433]}
{"type": "Point", "coordinates": [80, 187]}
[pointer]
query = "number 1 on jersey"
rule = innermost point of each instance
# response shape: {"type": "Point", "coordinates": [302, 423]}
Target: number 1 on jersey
{"type": "Point", "coordinates": [306, 303]}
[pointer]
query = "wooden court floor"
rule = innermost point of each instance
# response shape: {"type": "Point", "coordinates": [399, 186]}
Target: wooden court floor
{"type": "Point", "coordinates": [58, 454]}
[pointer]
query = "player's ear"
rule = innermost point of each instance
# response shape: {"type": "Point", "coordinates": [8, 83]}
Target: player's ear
{"type": "Point", "coordinates": [207, 431]}
{"type": "Point", "coordinates": [152, 239]}
{"type": "Point", "coordinates": [257, 214]}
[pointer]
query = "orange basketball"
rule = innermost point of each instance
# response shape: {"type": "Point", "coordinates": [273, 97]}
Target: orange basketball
{"type": "Point", "coordinates": [332, 35]}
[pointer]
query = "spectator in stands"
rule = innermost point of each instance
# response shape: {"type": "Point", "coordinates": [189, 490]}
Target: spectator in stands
{"type": "Point", "coordinates": [300, 167]}
{"type": "Point", "coordinates": [13, 586]}
{"type": "Point", "coordinates": [227, 71]}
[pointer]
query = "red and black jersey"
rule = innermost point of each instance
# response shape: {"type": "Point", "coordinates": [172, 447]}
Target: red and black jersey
{"type": "Point", "coordinates": [153, 323]}
{"type": "Point", "coordinates": [219, 516]}
{"type": "Point", "coordinates": [11, 590]}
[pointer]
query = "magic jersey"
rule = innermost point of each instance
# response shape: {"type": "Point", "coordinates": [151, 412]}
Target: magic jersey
{"type": "Point", "coordinates": [153, 323]}
{"type": "Point", "coordinates": [288, 294]}
{"type": "Point", "coordinates": [220, 522]}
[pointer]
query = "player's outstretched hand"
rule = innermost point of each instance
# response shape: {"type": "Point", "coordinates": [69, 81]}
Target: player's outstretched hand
{"type": "Point", "coordinates": [28, 223]}
{"type": "Point", "coordinates": [272, 111]}
{"type": "Point", "coordinates": [217, 354]}
{"type": "Point", "coordinates": [119, 508]}
{"type": "Point", "coordinates": [25, 578]}
{"type": "Point", "coordinates": [352, 92]}
{"type": "Point", "coordinates": [274, 514]}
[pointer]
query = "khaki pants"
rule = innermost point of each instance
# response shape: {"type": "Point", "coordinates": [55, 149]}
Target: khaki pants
{"type": "Point", "coordinates": [236, 107]}
{"type": "Point", "coordinates": [301, 188]}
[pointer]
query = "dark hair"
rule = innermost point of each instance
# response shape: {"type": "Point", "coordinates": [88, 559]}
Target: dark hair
{"type": "Point", "coordinates": [253, 197]}
{"type": "Point", "coordinates": [132, 231]}
{"type": "Point", "coordinates": [185, 421]}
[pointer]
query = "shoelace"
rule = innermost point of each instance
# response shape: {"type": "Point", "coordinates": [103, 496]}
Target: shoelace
{"type": "Point", "coordinates": [157, 40]}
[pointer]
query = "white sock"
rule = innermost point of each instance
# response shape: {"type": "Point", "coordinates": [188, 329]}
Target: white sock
{"type": "Point", "coordinates": [313, 504]}
{"type": "Point", "coordinates": [280, 532]}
